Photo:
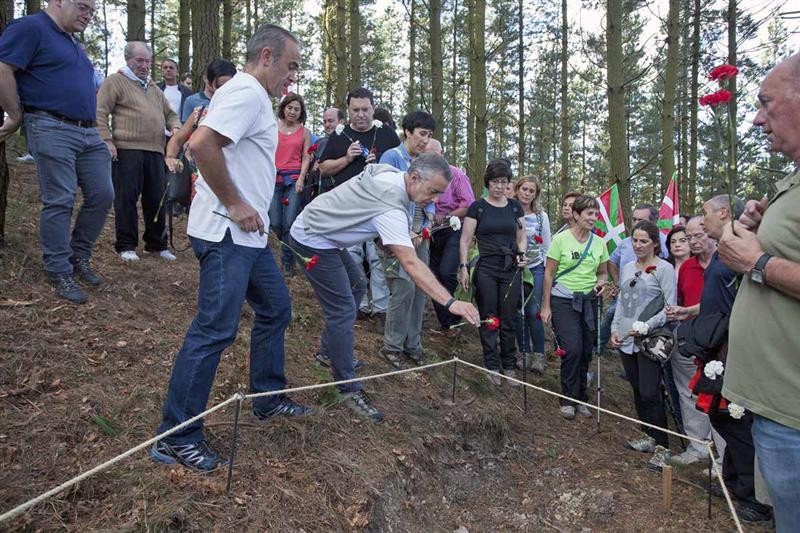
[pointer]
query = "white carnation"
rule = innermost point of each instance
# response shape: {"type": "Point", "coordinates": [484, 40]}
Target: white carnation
{"type": "Point", "coordinates": [377, 123]}
{"type": "Point", "coordinates": [455, 223]}
{"type": "Point", "coordinates": [640, 327]}
{"type": "Point", "coordinates": [713, 369]}
{"type": "Point", "coordinates": [339, 129]}
{"type": "Point", "coordinates": [736, 411]}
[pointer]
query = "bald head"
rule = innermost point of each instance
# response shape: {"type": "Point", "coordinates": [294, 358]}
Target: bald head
{"type": "Point", "coordinates": [433, 147]}
{"type": "Point", "coordinates": [779, 114]}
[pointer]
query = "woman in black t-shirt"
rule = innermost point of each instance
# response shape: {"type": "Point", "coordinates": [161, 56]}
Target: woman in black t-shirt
{"type": "Point", "coordinates": [497, 223]}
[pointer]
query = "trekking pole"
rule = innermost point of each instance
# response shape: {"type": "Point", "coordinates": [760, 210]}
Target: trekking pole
{"type": "Point", "coordinates": [524, 344]}
{"type": "Point", "coordinates": [599, 388]}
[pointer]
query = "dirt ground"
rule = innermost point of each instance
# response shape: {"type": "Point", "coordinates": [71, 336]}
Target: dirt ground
{"type": "Point", "coordinates": [81, 384]}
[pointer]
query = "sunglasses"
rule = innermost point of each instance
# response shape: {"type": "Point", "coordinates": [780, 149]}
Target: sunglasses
{"type": "Point", "coordinates": [635, 279]}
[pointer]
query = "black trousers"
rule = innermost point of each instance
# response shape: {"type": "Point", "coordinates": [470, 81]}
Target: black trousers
{"type": "Point", "coordinates": [497, 294]}
{"type": "Point", "coordinates": [577, 338]}
{"type": "Point", "coordinates": [644, 376]}
{"type": "Point", "coordinates": [444, 264]}
{"type": "Point", "coordinates": [138, 173]}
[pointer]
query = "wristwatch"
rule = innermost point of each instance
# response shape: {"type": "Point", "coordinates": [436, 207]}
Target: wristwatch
{"type": "Point", "coordinates": [758, 274]}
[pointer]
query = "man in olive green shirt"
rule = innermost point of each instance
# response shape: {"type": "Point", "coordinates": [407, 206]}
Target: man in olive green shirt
{"type": "Point", "coordinates": [763, 366]}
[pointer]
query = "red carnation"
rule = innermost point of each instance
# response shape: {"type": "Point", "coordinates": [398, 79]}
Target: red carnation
{"type": "Point", "coordinates": [284, 201]}
{"type": "Point", "coordinates": [723, 72]}
{"type": "Point", "coordinates": [313, 148]}
{"type": "Point", "coordinates": [538, 239]}
{"type": "Point", "coordinates": [492, 323]}
{"type": "Point", "coordinates": [561, 352]}
{"type": "Point", "coordinates": [426, 234]}
{"type": "Point", "coordinates": [311, 263]}
{"type": "Point", "coordinates": [650, 269]}
{"type": "Point", "coordinates": [720, 97]}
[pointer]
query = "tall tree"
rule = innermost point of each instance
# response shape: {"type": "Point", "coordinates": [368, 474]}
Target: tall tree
{"type": "Point", "coordinates": [521, 88]}
{"type": "Point", "coordinates": [668, 105]}
{"type": "Point", "coordinates": [136, 16]}
{"type": "Point", "coordinates": [453, 138]}
{"type": "Point", "coordinates": [412, 57]}
{"type": "Point", "coordinates": [355, 44]}
{"type": "Point", "coordinates": [437, 68]}
{"type": "Point", "coordinates": [618, 149]}
{"type": "Point", "coordinates": [732, 149]}
{"type": "Point", "coordinates": [477, 81]}
{"type": "Point", "coordinates": [340, 36]}
{"type": "Point", "coordinates": [205, 36]}
{"type": "Point", "coordinates": [691, 187]}
{"type": "Point", "coordinates": [32, 6]}
{"type": "Point", "coordinates": [184, 37]}
{"type": "Point", "coordinates": [227, 28]}
{"type": "Point", "coordinates": [564, 86]}
{"type": "Point", "coordinates": [6, 15]}
{"type": "Point", "coordinates": [328, 51]}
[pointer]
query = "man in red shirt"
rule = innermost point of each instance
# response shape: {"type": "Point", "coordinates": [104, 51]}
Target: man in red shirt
{"type": "Point", "coordinates": [690, 287]}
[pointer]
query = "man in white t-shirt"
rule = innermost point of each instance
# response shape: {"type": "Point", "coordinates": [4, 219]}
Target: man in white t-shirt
{"type": "Point", "coordinates": [175, 92]}
{"type": "Point", "coordinates": [234, 149]}
{"type": "Point", "coordinates": [369, 206]}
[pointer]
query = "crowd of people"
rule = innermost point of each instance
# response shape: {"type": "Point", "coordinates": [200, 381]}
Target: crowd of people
{"type": "Point", "coordinates": [701, 315]}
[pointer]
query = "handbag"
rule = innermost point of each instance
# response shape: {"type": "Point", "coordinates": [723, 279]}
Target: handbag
{"type": "Point", "coordinates": [659, 343]}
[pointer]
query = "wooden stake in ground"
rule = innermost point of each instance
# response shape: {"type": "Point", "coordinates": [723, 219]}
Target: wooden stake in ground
{"type": "Point", "coordinates": [666, 477]}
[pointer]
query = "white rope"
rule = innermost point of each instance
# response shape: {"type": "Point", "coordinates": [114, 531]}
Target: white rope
{"type": "Point", "coordinates": [240, 397]}
{"type": "Point", "coordinates": [718, 471]}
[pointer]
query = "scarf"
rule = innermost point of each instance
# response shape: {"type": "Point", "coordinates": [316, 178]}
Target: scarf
{"type": "Point", "coordinates": [128, 73]}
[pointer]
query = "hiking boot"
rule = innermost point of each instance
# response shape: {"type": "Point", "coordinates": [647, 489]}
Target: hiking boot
{"type": "Point", "coordinates": [81, 268]}
{"type": "Point", "coordinates": [67, 289]}
{"type": "Point", "coordinates": [325, 361]}
{"type": "Point", "coordinates": [689, 457]}
{"type": "Point", "coordinates": [284, 407]}
{"type": "Point", "coordinates": [198, 456]}
{"type": "Point", "coordinates": [644, 444]}
{"type": "Point", "coordinates": [418, 358]}
{"type": "Point", "coordinates": [660, 458]}
{"type": "Point", "coordinates": [393, 358]}
{"type": "Point", "coordinates": [536, 362]}
{"type": "Point", "coordinates": [511, 374]}
{"type": "Point", "coordinates": [583, 411]}
{"type": "Point", "coordinates": [360, 404]}
{"type": "Point", "coordinates": [753, 513]}
{"type": "Point", "coordinates": [495, 380]}
{"type": "Point", "coordinates": [567, 411]}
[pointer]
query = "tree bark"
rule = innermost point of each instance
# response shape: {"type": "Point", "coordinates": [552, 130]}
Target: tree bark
{"type": "Point", "coordinates": [248, 19]}
{"type": "Point", "coordinates": [477, 80]}
{"type": "Point", "coordinates": [521, 89]}
{"type": "Point", "coordinates": [328, 51]}
{"type": "Point", "coordinates": [227, 28]}
{"type": "Point", "coordinates": [412, 58]}
{"type": "Point", "coordinates": [453, 140]}
{"type": "Point", "coordinates": [668, 104]}
{"type": "Point", "coordinates": [340, 33]}
{"type": "Point", "coordinates": [205, 36]}
{"type": "Point", "coordinates": [564, 167]}
{"type": "Point", "coordinates": [355, 44]}
{"type": "Point", "coordinates": [154, 66]}
{"type": "Point", "coordinates": [618, 150]}
{"type": "Point", "coordinates": [732, 149]}
{"type": "Point", "coordinates": [184, 38]}
{"type": "Point", "coordinates": [691, 188]}
{"type": "Point", "coordinates": [6, 15]}
{"type": "Point", "coordinates": [437, 68]}
{"type": "Point", "coordinates": [33, 6]}
{"type": "Point", "coordinates": [136, 15]}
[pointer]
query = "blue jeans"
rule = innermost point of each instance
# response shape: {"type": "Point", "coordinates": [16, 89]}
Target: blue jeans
{"type": "Point", "coordinates": [533, 328]}
{"type": "Point", "coordinates": [68, 157]}
{"type": "Point", "coordinates": [229, 275]}
{"type": "Point", "coordinates": [339, 287]}
{"type": "Point", "coordinates": [282, 216]}
{"type": "Point", "coordinates": [778, 451]}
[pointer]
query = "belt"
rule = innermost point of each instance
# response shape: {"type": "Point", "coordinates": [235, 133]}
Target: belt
{"type": "Point", "coordinates": [62, 118]}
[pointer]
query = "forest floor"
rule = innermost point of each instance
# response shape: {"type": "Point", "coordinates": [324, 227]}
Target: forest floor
{"type": "Point", "coordinates": [81, 384]}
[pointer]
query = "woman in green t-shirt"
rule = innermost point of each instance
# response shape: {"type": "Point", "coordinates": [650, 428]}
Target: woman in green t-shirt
{"type": "Point", "coordinates": [574, 277]}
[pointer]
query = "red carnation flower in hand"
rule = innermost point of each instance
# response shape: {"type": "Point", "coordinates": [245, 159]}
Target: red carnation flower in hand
{"type": "Point", "coordinates": [561, 352]}
{"type": "Point", "coordinates": [426, 234]}
{"type": "Point", "coordinates": [538, 239]}
{"type": "Point", "coordinates": [311, 263]}
{"type": "Point", "coordinates": [313, 148]}
{"type": "Point", "coordinates": [492, 323]}
{"type": "Point", "coordinates": [284, 201]}
{"type": "Point", "coordinates": [650, 269]}
{"type": "Point", "coordinates": [723, 72]}
{"type": "Point", "coordinates": [720, 97]}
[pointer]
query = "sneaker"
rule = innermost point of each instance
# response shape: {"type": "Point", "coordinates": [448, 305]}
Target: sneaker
{"type": "Point", "coordinates": [325, 361]}
{"type": "Point", "coordinates": [644, 444]}
{"type": "Point", "coordinates": [166, 255]}
{"type": "Point", "coordinates": [128, 255]}
{"type": "Point", "coordinates": [418, 358]}
{"type": "Point", "coordinates": [84, 272]}
{"type": "Point", "coordinates": [567, 411]}
{"type": "Point", "coordinates": [359, 403]}
{"type": "Point", "coordinates": [660, 458]}
{"type": "Point", "coordinates": [689, 457]}
{"type": "Point", "coordinates": [284, 407]}
{"type": "Point", "coordinates": [67, 288]}
{"type": "Point", "coordinates": [511, 374]}
{"type": "Point", "coordinates": [198, 456]}
{"type": "Point", "coordinates": [753, 513]}
{"type": "Point", "coordinates": [583, 411]}
{"type": "Point", "coordinates": [27, 158]}
{"type": "Point", "coordinates": [393, 358]}
{"type": "Point", "coordinates": [496, 380]}
{"type": "Point", "coordinates": [536, 362]}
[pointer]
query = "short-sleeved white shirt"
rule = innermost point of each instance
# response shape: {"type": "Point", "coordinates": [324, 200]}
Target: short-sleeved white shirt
{"type": "Point", "coordinates": [241, 111]}
{"type": "Point", "coordinates": [391, 226]}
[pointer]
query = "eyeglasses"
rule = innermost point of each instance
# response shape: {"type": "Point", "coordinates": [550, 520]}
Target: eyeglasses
{"type": "Point", "coordinates": [82, 8]}
{"type": "Point", "coordinates": [696, 237]}
{"type": "Point", "coordinates": [679, 240]}
{"type": "Point", "coordinates": [635, 279]}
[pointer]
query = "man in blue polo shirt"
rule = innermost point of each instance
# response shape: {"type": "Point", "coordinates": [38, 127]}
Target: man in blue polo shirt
{"type": "Point", "coordinates": [45, 75]}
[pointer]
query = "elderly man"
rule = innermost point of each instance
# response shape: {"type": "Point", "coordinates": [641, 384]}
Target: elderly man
{"type": "Point", "coordinates": [176, 93]}
{"type": "Point", "coordinates": [45, 73]}
{"type": "Point", "coordinates": [140, 113]}
{"type": "Point", "coordinates": [235, 152]}
{"type": "Point", "coordinates": [763, 368]}
{"type": "Point", "coordinates": [369, 206]}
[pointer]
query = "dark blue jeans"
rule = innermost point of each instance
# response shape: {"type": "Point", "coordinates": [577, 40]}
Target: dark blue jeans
{"type": "Point", "coordinates": [533, 328]}
{"type": "Point", "coordinates": [282, 216]}
{"type": "Point", "coordinates": [339, 287]}
{"type": "Point", "coordinates": [68, 157]}
{"type": "Point", "coordinates": [229, 275]}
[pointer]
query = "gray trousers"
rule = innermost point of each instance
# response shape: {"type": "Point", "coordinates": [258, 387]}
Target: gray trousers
{"type": "Point", "coordinates": [403, 329]}
{"type": "Point", "coordinates": [695, 423]}
{"type": "Point", "coordinates": [377, 281]}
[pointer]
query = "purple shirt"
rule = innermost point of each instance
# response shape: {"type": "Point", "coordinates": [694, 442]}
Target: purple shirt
{"type": "Point", "coordinates": [458, 193]}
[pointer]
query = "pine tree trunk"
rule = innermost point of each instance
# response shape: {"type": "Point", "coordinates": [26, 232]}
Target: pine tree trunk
{"type": "Point", "coordinates": [521, 90]}
{"type": "Point", "coordinates": [33, 6]}
{"type": "Point", "coordinates": [731, 166]}
{"type": "Point", "coordinates": [437, 68]}
{"type": "Point", "coordinates": [470, 104]}
{"type": "Point", "coordinates": [668, 105]}
{"type": "Point", "coordinates": [412, 59]}
{"type": "Point", "coordinates": [154, 66]}
{"type": "Point", "coordinates": [691, 188]}
{"type": "Point", "coordinates": [564, 174]}
{"type": "Point", "coordinates": [136, 15]}
{"type": "Point", "coordinates": [477, 81]}
{"type": "Point", "coordinates": [340, 33]}
{"type": "Point", "coordinates": [248, 20]}
{"type": "Point", "coordinates": [106, 36]}
{"type": "Point", "coordinates": [227, 28]}
{"type": "Point", "coordinates": [453, 140]}
{"type": "Point", "coordinates": [355, 45]}
{"type": "Point", "coordinates": [6, 15]}
{"type": "Point", "coordinates": [618, 150]}
{"type": "Point", "coordinates": [205, 36]}
{"type": "Point", "coordinates": [328, 51]}
{"type": "Point", "coordinates": [184, 39]}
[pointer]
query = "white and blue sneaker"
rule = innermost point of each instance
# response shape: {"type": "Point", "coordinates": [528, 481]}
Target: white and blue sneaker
{"type": "Point", "coordinates": [198, 456]}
